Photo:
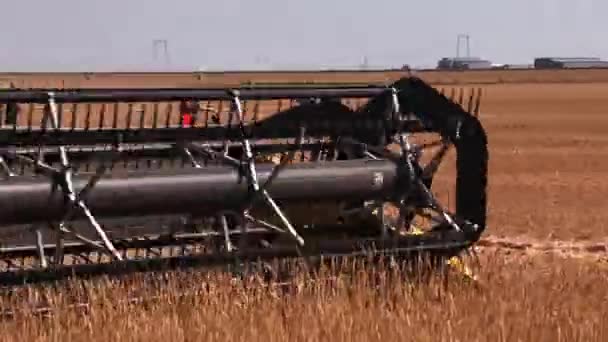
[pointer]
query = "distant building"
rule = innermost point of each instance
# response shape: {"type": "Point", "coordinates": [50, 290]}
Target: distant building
{"type": "Point", "coordinates": [463, 63]}
{"type": "Point", "coordinates": [569, 62]}
{"type": "Point", "coordinates": [518, 66]}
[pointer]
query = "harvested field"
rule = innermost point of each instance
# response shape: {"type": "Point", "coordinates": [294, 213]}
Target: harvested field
{"type": "Point", "coordinates": [543, 262]}
{"type": "Point", "coordinates": [235, 78]}
{"type": "Point", "coordinates": [548, 157]}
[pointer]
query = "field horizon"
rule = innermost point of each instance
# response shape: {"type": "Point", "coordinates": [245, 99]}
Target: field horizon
{"type": "Point", "coordinates": [237, 78]}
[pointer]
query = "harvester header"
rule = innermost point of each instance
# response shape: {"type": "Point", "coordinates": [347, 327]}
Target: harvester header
{"type": "Point", "coordinates": [104, 181]}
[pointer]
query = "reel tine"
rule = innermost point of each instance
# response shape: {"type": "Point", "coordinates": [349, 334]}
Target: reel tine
{"type": "Point", "coordinates": [115, 109]}
{"type": "Point", "coordinates": [477, 103]}
{"type": "Point", "coordinates": [59, 118]}
{"type": "Point", "coordinates": [245, 109]}
{"type": "Point", "coordinates": [155, 115]}
{"type": "Point", "coordinates": [470, 103]}
{"type": "Point", "coordinates": [102, 113]}
{"type": "Point", "coordinates": [129, 115]}
{"type": "Point", "coordinates": [142, 116]}
{"type": "Point", "coordinates": [168, 113]}
{"type": "Point", "coordinates": [87, 120]}
{"type": "Point", "coordinates": [73, 112]}
{"type": "Point", "coordinates": [453, 94]}
{"type": "Point", "coordinates": [30, 116]}
{"type": "Point", "coordinates": [460, 96]}
{"type": "Point", "coordinates": [256, 112]}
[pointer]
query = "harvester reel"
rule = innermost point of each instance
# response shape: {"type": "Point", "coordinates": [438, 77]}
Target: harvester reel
{"type": "Point", "coordinates": [236, 183]}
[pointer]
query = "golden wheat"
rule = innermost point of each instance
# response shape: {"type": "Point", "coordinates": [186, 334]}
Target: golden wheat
{"type": "Point", "coordinates": [522, 299]}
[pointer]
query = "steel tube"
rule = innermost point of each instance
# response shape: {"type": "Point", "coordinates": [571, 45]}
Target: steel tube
{"type": "Point", "coordinates": [161, 95]}
{"type": "Point", "coordinates": [198, 191]}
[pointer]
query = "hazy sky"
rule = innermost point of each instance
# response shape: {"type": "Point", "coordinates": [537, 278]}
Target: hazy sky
{"type": "Point", "coordinates": [241, 34]}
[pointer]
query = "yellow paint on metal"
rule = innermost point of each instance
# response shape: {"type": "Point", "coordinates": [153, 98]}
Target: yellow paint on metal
{"type": "Point", "coordinates": [457, 263]}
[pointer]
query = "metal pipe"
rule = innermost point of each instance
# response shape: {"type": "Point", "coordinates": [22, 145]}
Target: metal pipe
{"type": "Point", "coordinates": [161, 95]}
{"type": "Point", "coordinates": [199, 191]}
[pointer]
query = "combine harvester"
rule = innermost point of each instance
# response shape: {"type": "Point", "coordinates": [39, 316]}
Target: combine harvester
{"type": "Point", "coordinates": [114, 181]}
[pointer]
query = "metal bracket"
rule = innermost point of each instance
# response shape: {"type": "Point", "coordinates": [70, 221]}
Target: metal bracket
{"type": "Point", "coordinates": [251, 174]}
{"type": "Point", "coordinates": [77, 200]}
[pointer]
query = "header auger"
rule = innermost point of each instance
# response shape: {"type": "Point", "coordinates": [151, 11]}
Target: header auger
{"type": "Point", "coordinates": [111, 181]}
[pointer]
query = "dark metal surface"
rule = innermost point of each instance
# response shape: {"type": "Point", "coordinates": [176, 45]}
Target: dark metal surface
{"type": "Point", "coordinates": [198, 190]}
{"type": "Point", "coordinates": [206, 237]}
{"type": "Point", "coordinates": [161, 95]}
{"type": "Point", "coordinates": [438, 113]}
{"type": "Point", "coordinates": [408, 105]}
{"type": "Point", "coordinates": [406, 246]}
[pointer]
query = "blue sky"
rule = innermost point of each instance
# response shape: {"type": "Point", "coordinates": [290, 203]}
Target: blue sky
{"type": "Point", "coordinates": [77, 35]}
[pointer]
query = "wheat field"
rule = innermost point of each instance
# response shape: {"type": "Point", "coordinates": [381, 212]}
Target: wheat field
{"type": "Point", "coordinates": [540, 298]}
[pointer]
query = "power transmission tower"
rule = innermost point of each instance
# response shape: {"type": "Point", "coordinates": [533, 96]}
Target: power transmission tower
{"type": "Point", "coordinates": [365, 64]}
{"type": "Point", "coordinates": [160, 49]}
{"type": "Point", "coordinates": [466, 39]}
